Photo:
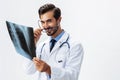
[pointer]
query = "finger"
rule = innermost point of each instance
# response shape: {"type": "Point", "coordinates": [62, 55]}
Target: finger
{"type": "Point", "coordinates": [38, 30]}
{"type": "Point", "coordinates": [37, 33]}
{"type": "Point", "coordinates": [33, 58]}
{"type": "Point", "coordinates": [37, 60]}
{"type": "Point", "coordinates": [37, 63]}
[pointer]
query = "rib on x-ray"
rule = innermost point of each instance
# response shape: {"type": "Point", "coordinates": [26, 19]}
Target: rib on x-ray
{"type": "Point", "coordinates": [22, 38]}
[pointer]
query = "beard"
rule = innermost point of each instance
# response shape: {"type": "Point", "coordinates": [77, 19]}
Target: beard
{"type": "Point", "coordinates": [51, 30]}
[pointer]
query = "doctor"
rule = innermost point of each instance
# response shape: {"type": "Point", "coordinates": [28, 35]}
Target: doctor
{"type": "Point", "coordinates": [63, 60]}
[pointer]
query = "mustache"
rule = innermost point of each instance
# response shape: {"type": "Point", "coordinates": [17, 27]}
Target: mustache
{"type": "Point", "coordinates": [48, 28]}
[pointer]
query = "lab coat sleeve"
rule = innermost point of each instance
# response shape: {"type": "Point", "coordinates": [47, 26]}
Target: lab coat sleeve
{"type": "Point", "coordinates": [72, 66]}
{"type": "Point", "coordinates": [28, 66]}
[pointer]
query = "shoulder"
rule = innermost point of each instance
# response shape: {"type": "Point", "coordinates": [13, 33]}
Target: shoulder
{"type": "Point", "coordinates": [74, 42]}
{"type": "Point", "coordinates": [76, 48]}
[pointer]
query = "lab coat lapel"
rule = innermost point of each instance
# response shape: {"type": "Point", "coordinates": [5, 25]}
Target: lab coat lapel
{"type": "Point", "coordinates": [47, 47]}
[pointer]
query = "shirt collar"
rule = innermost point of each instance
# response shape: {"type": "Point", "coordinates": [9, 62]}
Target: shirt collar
{"type": "Point", "coordinates": [59, 36]}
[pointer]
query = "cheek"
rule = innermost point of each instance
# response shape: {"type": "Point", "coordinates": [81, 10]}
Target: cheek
{"type": "Point", "coordinates": [51, 24]}
{"type": "Point", "coordinates": [43, 25]}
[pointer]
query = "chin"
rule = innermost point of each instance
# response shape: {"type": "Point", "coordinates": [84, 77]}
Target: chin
{"type": "Point", "coordinates": [49, 34]}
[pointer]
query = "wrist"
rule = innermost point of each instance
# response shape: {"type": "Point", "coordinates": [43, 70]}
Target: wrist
{"type": "Point", "coordinates": [48, 71]}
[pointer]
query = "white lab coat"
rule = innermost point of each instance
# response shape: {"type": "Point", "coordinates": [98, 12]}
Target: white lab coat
{"type": "Point", "coordinates": [65, 62]}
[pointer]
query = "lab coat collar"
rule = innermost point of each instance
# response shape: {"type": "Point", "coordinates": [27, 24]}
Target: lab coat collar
{"type": "Point", "coordinates": [60, 41]}
{"type": "Point", "coordinates": [57, 45]}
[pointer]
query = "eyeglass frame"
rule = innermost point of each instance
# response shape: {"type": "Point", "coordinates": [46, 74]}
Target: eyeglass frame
{"type": "Point", "coordinates": [43, 30]}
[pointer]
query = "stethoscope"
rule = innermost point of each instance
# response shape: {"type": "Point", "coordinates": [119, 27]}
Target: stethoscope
{"type": "Point", "coordinates": [66, 42]}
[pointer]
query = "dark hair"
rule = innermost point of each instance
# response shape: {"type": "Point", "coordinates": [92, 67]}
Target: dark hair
{"type": "Point", "coordinates": [48, 7]}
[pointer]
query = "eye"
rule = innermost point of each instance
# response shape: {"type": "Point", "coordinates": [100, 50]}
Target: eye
{"type": "Point", "coordinates": [42, 22]}
{"type": "Point", "coordinates": [49, 20]}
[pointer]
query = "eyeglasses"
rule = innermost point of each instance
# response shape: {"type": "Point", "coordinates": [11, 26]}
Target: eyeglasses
{"type": "Point", "coordinates": [40, 26]}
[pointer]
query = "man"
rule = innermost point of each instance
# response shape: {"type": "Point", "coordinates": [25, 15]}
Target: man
{"type": "Point", "coordinates": [63, 60]}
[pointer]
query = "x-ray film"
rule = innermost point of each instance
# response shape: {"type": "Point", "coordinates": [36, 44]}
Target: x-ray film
{"type": "Point", "coordinates": [22, 38]}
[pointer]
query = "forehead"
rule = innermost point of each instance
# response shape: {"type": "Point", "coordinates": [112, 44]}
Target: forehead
{"type": "Point", "coordinates": [47, 15]}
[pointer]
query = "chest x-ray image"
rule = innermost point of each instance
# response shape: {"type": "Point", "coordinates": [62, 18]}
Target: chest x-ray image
{"type": "Point", "coordinates": [22, 38]}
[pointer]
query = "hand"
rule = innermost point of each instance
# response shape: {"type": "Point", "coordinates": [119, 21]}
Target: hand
{"type": "Point", "coordinates": [37, 34]}
{"type": "Point", "coordinates": [41, 65]}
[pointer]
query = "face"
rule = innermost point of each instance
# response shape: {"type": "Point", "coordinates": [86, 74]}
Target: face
{"type": "Point", "coordinates": [49, 23]}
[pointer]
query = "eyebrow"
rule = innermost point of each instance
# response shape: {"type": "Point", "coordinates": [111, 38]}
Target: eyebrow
{"type": "Point", "coordinates": [46, 20]}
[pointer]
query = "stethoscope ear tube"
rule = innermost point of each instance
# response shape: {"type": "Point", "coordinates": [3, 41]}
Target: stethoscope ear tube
{"type": "Point", "coordinates": [66, 42]}
{"type": "Point", "coordinates": [42, 48]}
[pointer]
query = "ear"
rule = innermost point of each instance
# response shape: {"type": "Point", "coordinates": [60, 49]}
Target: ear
{"type": "Point", "coordinates": [59, 20]}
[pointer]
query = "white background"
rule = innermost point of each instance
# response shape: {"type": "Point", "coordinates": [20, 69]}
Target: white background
{"type": "Point", "coordinates": [96, 23]}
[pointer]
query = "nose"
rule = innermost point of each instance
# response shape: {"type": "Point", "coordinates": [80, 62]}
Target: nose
{"type": "Point", "coordinates": [45, 25]}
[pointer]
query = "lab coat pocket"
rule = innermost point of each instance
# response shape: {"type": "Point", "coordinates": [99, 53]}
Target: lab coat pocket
{"type": "Point", "coordinates": [60, 60]}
